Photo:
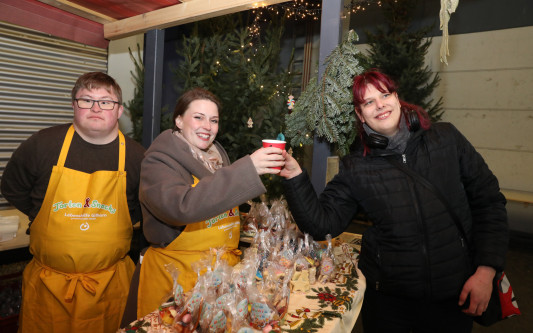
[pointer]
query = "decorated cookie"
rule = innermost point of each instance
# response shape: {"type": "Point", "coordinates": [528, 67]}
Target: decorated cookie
{"type": "Point", "coordinates": [218, 323]}
{"type": "Point", "coordinates": [260, 315]}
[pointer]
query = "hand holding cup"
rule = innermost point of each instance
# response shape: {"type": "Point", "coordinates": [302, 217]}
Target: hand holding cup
{"type": "Point", "coordinates": [268, 160]}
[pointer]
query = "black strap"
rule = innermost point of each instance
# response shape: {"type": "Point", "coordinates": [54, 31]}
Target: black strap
{"type": "Point", "coordinates": [432, 188]}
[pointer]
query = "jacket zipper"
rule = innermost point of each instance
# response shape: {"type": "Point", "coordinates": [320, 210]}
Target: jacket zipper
{"type": "Point", "coordinates": [379, 265]}
{"type": "Point", "coordinates": [422, 227]}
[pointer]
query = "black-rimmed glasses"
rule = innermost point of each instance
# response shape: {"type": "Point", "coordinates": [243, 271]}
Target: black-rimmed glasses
{"type": "Point", "coordinates": [84, 103]}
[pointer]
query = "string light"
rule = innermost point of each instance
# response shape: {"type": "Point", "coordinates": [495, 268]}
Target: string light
{"type": "Point", "coordinates": [301, 10]}
{"type": "Point", "coordinates": [295, 10]}
{"type": "Point", "coordinates": [361, 5]}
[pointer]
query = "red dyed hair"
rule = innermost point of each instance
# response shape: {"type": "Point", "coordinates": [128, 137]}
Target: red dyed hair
{"type": "Point", "coordinates": [383, 83]}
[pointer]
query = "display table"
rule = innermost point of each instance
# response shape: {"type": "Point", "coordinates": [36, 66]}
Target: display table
{"type": "Point", "coordinates": [22, 239]}
{"type": "Point", "coordinates": [331, 307]}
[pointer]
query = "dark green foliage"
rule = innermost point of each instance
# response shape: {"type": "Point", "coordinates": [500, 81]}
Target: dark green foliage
{"type": "Point", "coordinates": [400, 53]}
{"type": "Point", "coordinates": [244, 73]}
{"type": "Point", "coordinates": [135, 107]}
{"type": "Point", "coordinates": [326, 108]}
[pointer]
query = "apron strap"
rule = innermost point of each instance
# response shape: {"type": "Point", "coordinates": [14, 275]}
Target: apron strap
{"type": "Point", "coordinates": [227, 251]}
{"type": "Point", "coordinates": [121, 151]}
{"type": "Point", "coordinates": [68, 140]}
{"type": "Point", "coordinates": [65, 147]}
{"type": "Point", "coordinates": [87, 282]}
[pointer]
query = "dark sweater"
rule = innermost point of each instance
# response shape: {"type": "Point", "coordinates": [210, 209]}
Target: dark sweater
{"type": "Point", "coordinates": [26, 176]}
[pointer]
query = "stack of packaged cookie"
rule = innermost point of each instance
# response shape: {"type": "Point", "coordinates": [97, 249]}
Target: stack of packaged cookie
{"type": "Point", "coordinates": [255, 293]}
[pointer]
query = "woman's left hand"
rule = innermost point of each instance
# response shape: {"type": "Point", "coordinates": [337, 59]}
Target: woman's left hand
{"type": "Point", "coordinates": [266, 160]}
{"type": "Point", "coordinates": [478, 288]}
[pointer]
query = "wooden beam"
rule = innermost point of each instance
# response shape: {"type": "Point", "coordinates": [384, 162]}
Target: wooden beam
{"type": "Point", "coordinates": [76, 9]}
{"type": "Point", "coordinates": [186, 12]}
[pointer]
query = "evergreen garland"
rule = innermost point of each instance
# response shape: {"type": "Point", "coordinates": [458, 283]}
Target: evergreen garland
{"type": "Point", "coordinates": [326, 108]}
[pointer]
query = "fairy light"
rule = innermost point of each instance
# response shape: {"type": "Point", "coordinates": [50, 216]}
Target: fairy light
{"type": "Point", "coordinates": [301, 10]}
{"type": "Point", "coordinates": [293, 10]}
{"type": "Point", "coordinates": [361, 5]}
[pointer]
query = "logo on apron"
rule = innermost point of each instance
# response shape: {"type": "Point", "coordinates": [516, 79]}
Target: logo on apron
{"type": "Point", "coordinates": [88, 204]}
{"type": "Point", "coordinates": [230, 213]}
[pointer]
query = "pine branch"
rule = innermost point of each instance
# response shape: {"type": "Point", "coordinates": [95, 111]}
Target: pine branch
{"type": "Point", "coordinates": [329, 105]}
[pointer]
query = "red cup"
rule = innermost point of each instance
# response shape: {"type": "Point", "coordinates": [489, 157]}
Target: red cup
{"type": "Point", "coordinates": [274, 143]}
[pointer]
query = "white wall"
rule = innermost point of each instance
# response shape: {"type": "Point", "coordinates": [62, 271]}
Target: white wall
{"type": "Point", "coordinates": [120, 67]}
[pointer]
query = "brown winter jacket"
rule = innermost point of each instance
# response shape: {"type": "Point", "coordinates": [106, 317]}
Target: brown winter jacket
{"type": "Point", "coordinates": [168, 200]}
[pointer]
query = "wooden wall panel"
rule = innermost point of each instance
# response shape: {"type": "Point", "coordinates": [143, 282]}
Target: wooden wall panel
{"type": "Point", "coordinates": [512, 168]}
{"type": "Point", "coordinates": [505, 130]}
{"type": "Point", "coordinates": [487, 94]}
{"type": "Point", "coordinates": [505, 89]}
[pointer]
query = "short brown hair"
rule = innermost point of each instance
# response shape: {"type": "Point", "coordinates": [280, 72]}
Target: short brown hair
{"type": "Point", "coordinates": [190, 96]}
{"type": "Point", "coordinates": [95, 80]}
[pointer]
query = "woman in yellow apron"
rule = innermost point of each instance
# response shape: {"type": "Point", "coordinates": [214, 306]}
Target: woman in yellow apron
{"type": "Point", "coordinates": [80, 272]}
{"type": "Point", "coordinates": [190, 194]}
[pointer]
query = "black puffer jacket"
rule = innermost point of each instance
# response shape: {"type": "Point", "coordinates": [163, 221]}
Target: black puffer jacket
{"type": "Point", "coordinates": [414, 248]}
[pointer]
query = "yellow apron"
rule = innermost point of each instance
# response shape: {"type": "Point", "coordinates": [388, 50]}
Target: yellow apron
{"type": "Point", "coordinates": [194, 242]}
{"type": "Point", "coordinates": [78, 279]}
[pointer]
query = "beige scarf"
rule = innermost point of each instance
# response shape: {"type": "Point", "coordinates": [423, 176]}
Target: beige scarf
{"type": "Point", "coordinates": [210, 158]}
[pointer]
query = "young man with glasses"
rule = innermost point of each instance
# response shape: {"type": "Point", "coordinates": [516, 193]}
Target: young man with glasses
{"type": "Point", "coordinates": [78, 184]}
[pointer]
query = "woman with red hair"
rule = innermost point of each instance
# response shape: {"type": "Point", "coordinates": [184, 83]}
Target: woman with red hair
{"type": "Point", "coordinates": [422, 274]}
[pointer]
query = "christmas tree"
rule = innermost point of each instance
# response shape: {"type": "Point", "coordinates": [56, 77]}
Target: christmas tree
{"type": "Point", "coordinates": [400, 53]}
{"type": "Point", "coordinates": [243, 71]}
{"type": "Point", "coordinates": [326, 107]}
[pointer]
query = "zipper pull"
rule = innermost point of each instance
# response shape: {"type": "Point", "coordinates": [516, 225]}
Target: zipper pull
{"type": "Point", "coordinates": [404, 159]}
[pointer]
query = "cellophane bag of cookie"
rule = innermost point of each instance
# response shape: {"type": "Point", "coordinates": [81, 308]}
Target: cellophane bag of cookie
{"type": "Point", "coordinates": [173, 301]}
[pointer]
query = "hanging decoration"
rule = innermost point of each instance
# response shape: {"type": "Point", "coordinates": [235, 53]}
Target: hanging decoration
{"type": "Point", "coordinates": [447, 7]}
{"type": "Point", "coordinates": [250, 123]}
{"type": "Point", "coordinates": [290, 102]}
